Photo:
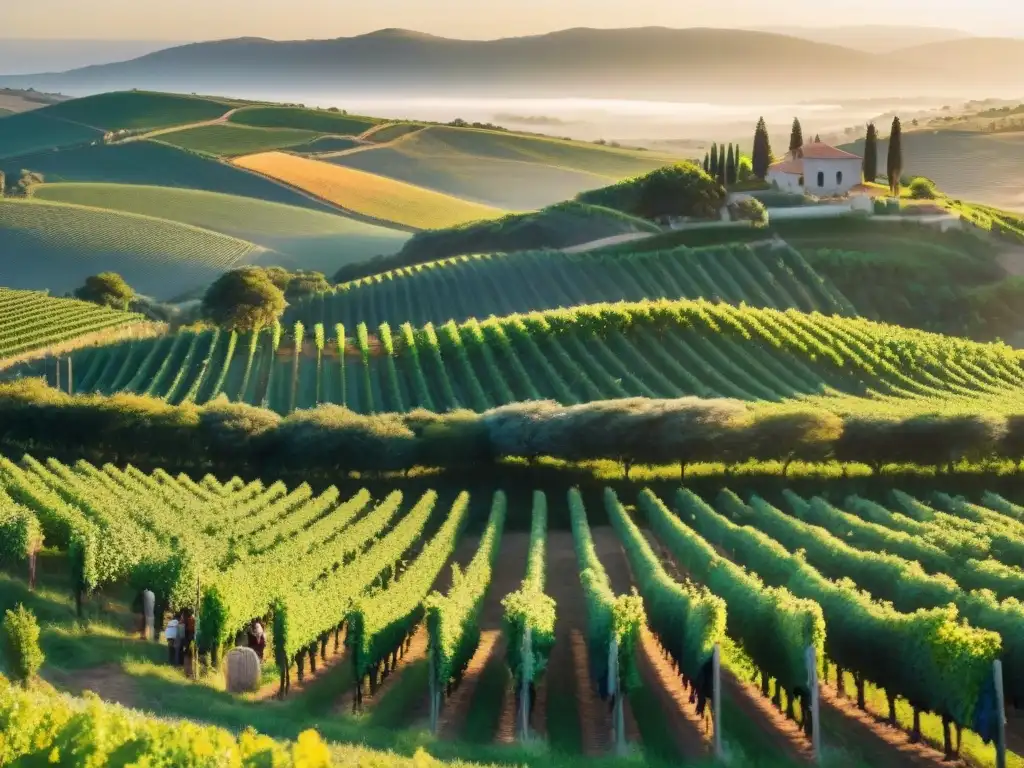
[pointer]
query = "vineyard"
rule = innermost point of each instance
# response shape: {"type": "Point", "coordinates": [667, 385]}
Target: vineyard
{"type": "Point", "coordinates": [30, 321]}
{"type": "Point", "coordinates": [305, 119]}
{"type": "Point", "coordinates": [596, 352]}
{"type": "Point", "coordinates": [137, 110]}
{"type": "Point", "coordinates": [57, 246]}
{"type": "Point", "coordinates": [766, 275]}
{"type": "Point", "coordinates": [904, 600]}
{"type": "Point", "coordinates": [33, 131]}
{"type": "Point", "coordinates": [377, 197]}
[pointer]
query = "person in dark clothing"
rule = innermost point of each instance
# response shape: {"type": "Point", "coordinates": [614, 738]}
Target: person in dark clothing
{"type": "Point", "coordinates": [257, 638]}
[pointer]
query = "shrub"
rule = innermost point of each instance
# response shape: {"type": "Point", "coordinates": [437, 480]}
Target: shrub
{"type": "Point", "coordinates": [22, 653]}
{"type": "Point", "coordinates": [244, 300]}
{"type": "Point", "coordinates": [922, 188]}
{"type": "Point", "coordinates": [108, 289]}
{"type": "Point", "coordinates": [749, 209]}
{"type": "Point", "coordinates": [683, 189]}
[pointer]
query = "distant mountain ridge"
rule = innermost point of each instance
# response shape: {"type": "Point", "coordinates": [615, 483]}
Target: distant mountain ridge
{"type": "Point", "coordinates": [646, 63]}
{"type": "Point", "coordinates": [873, 38]}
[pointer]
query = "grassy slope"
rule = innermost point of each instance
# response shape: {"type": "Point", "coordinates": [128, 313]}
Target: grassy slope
{"type": "Point", "coordinates": [506, 170]}
{"type": "Point", "coordinates": [56, 246]}
{"type": "Point", "coordinates": [374, 196]}
{"type": "Point", "coordinates": [231, 140]}
{"type": "Point", "coordinates": [301, 237]}
{"type": "Point", "coordinates": [150, 163]}
{"type": "Point", "coordinates": [35, 132]}
{"type": "Point", "coordinates": [137, 109]}
{"type": "Point", "coordinates": [307, 119]}
{"type": "Point", "coordinates": [965, 164]}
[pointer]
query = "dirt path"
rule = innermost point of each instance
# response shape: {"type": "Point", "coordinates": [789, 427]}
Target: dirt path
{"type": "Point", "coordinates": [418, 646]}
{"type": "Point", "coordinates": [786, 735]}
{"type": "Point", "coordinates": [869, 731]}
{"type": "Point", "coordinates": [507, 576]}
{"type": "Point", "coordinates": [688, 729]}
{"type": "Point", "coordinates": [1012, 261]}
{"type": "Point", "coordinates": [334, 659]}
{"type": "Point", "coordinates": [109, 681]}
{"type": "Point", "coordinates": [626, 237]}
{"type": "Point", "coordinates": [174, 129]}
{"type": "Point", "coordinates": [568, 671]}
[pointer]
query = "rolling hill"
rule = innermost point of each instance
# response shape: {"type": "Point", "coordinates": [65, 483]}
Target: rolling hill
{"type": "Point", "coordinates": [30, 132]}
{"type": "Point", "coordinates": [297, 237]}
{"type": "Point", "coordinates": [638, 63]}
{"type": "Point", "coordinates": [320, 121]}
{"type": "Point", "coordinates": [506, 170]}
{"type": "Point", "coordinates": [965, 164]}
{"type": "Point", "coordinates": [761, 275]}
{"type": "Point", "coordinates": [650, 349]}
{"type": "Point", "coordinates": [233, 140]}
{"type": "Point", "coordinates": [376, 197]}
{"type": "Point", "coordinates": [135, 110]}
{"type": "Point", "coordinates": [56, 246]}
{"type": "Point", "coordinates": [154, 164]}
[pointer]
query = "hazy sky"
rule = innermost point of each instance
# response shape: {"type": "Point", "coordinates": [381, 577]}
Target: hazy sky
{"type": "Point", "coordinates": [299, 19]}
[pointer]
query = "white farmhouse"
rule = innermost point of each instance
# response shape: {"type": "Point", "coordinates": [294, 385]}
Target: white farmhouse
{"type": "Point", "coordinates": [817, 169]}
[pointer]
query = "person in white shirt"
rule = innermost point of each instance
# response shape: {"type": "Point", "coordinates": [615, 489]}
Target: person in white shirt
{"type": "Point", "coordinates": [171, 635]}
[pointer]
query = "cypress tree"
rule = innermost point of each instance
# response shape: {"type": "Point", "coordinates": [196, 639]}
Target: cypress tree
{"type": "Point", "coordinates": [796, 136]}
{"type": "Point", "coordinates": [714, 161]}
{"type": "Point", "coordinates": [707, 162]}
{"type": "Point", "coordinates": [817, 139]}
{"type": "Point", "coordinates": [871, 153]}
{"type": "Point", "coordinates": [894, 166]}
{"type": "Point", "coordinates": [761, 154]}
{"type": "Point", "coordinates": [737, 169]}
{"type": "Point", "coordinates": [730, 167]}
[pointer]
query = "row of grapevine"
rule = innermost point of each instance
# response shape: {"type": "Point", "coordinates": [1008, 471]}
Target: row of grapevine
{"type": "Point", "coordinates": [612, 621]}
{"type": "Point", "coordinates": [596, 352]}
{"type": "Point", "coordinates": [689, 621]}
{"type": "Point", "coordinates": [529, 609]}
{"type": "Point", "coordinates": [30, 320]}
{"type": "Point", "coordinates": [304, 616]}
{"type": "Point", "coordinates": [458, 288]}
{"type": "Point", "coordinates": [381, 623]}
{"type": "Point", "coordinates": [926, 657]}
{"type": "Point", "coordinates": [452, 627]}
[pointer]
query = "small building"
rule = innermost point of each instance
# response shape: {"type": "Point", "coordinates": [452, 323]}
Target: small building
{"type": "Point", "coordinates": [817, 169]}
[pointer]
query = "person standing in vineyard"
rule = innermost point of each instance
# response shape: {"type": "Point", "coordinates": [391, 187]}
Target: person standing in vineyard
{"type": "Point", "coordinates": [257, 638]}
{"type": "Point", "coordinates": [171, 635]}
{"type": "Point", "coordinates": [148, 607]}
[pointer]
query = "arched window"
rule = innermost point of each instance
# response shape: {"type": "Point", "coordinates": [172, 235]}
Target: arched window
{"type": "Point", "coordinates": [839, 177]}
{"type": "Point", "coordinates": [821, 178]}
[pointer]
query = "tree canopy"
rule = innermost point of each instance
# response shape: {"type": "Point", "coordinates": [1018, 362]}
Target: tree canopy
{"type": "Point", "coordinates": [683, 189]}
{"type": "Point", "coordinates": [107, 289]}
{"type": "Point", "coordinates": [244, 300]}
{"type": "Point", "coordinates": [894, 165]}
{"type": "Point", "coordinates": [796, 136]}
{"type": "Point", "coordinates": [761, 156]}
{"type": "Point", "coordinates": [871, 153]}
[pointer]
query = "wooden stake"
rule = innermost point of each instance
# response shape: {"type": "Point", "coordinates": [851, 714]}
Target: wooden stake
{"type": "Point", "coordinates": [812, 685]}
{"type": "Point", "coordinates": [716, 699]}
{"type": "Point", "coordinates": [524, 686]}
{"type": "Point", "coordinates": [997, 671]}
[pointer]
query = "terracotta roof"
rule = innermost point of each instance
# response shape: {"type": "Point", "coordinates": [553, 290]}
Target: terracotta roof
{"type": "Point", "coordinates": [821, 151]}
{"type": "Point", "coordinates": [789, 165]}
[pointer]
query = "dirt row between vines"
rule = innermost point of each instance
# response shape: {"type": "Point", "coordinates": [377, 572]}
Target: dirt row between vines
{"type": "Point", "coordinates": [506, 577]}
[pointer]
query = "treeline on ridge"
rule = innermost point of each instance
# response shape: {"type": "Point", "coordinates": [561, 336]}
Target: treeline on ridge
{"type": "Point", "coordinates": [239, 438]}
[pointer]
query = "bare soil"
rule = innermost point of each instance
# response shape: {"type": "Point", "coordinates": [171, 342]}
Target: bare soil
{"type": "Point", "coordinates": [506, 577]}
{"type": "Point", "coordinates": [568, 670]}
{"type": "Point", "coordinates": [110, 682]}
{"type": "Point", "coordinates": [334, 659]}
{"type": "Point", "coordinates": [688, 729]}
